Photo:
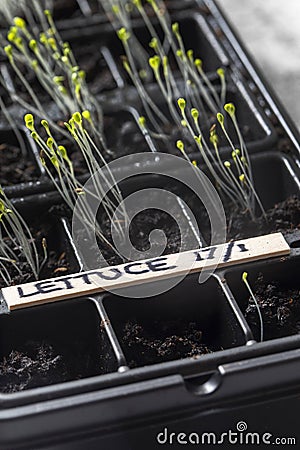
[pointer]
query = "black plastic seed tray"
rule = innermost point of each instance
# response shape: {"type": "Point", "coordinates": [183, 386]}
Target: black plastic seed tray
{"type": "Point", "coordinates": [113, 372]}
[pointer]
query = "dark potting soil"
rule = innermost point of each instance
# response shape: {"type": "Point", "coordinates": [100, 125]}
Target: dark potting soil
{"type": "Point", "coordinates": [161, 340]}
{"type": "Point", "coordinates": [139, 232]}
{"type": "Point", "coordinates": [98, 77]}
{"type": "Point", "coordinates": [127, 140]}
{"type": "Point", "coordinates": [89, 58]}
{"type": "Point", "coordinates": [280, 309]}
{"type": "Point", "coordinates": [37, 365]}
{"type": "Point", "coordinates": [15, 168]}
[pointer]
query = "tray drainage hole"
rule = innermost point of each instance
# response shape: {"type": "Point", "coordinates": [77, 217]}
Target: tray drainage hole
{"type": "Point", "coordinates": [295, 244]}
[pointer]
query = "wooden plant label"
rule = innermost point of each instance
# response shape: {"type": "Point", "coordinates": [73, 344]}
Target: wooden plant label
{"type": "Point", "coordinates": [126, 275]}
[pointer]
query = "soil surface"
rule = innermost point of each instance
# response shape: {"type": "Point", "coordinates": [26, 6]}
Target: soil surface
{"type": "Point", "coordinates": [15, 168]}
{"type": "Point", "coordinates": [284, 217]}
{"type": "Point", "coordinates": [53, 359]}
{"type": "Point", "coordinates": [40, 92]}
{"type": "Point", "coordinates": [147, 221]}
{"type": "Point", "coordinates": [37, 365]}
{"type": "Point", "coordinates": [128, 140]}
{"type": "Point", "coordinates": [280, 309]}
{"type": "Point", "coordinates": [159, 341]}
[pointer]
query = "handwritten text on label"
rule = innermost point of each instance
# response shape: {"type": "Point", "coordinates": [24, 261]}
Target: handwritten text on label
{"type": "Point", "coordinates": [125, 275]}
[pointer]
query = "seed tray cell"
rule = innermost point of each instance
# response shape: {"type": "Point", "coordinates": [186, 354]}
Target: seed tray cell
{"type": "Point", "coordinates": [64, 342]}
{"type": "Point", "coordinates": [257, 129]}
{"type": "Point", "coordinates": [152, 330]}
{"type": "Point", "coordinates": [277, 289]}
{"type": "Point", "coordinates": [95, 61]}
{"type": "Point", "coordinates": [85, 337]}
{"type": "Point", "coordinates": [281, 184]}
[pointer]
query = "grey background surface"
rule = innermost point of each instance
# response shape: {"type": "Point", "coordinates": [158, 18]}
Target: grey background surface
{"type": "Point", "coordinates": [270, 30]}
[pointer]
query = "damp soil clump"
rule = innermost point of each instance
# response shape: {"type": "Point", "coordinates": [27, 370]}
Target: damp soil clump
{"type": "Point", "coordinates": [37, 365]}
{"type": "Point", "coordinates": [43, 362]}
{"type": "Point", "coordinates": [160, 341]}
{"type": "Point", "coordinates": [280, 309]}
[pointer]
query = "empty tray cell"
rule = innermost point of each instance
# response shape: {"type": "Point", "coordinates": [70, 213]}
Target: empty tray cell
{"type": "Point", "coordinates": [274, 177]}
{"type": "Point", "coordinates": [276, 288]}
{"type": "Point", "coordinates": [50, 344]}
{"type": "Point", "coordinates": [196, 35]}
{"type": "Point", "coordinates": [277, 185]}
{"type": "Point", "coordinates": [188, 321]}
{"type": "Point", "coordinates": [17, 162]}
